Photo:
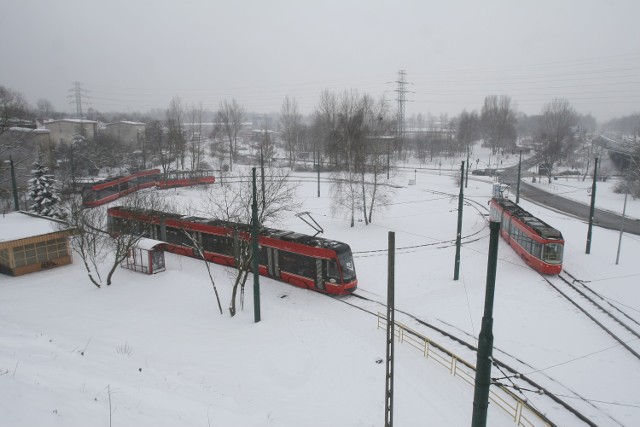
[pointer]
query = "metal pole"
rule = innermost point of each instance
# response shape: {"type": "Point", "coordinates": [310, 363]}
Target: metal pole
{"type": "Point", "coordinates": [485, 340]}
{"type": "Point", "coordinates": [255, 251]}
{"type": "Point", "coordinates": [14, 185]}
{"type": "Point", "coordinates": [262, 179]}
{"type": "Point", "coordinates": [388, 155]}
{"type": "Point", "coordinates": [456, 271]}
{"type": "Point", "coordinates": [624, 211]}
{"type": "Point", "coordinates": [388, 395]}
{"type": "Point", "coordinates": [466, 180]}
{"type": "Point", "coordinates": [518, 183]}
{"type": "Point", "coordinates": [593, 207]}
{"type": "Point", "coordinates": [318, 165]}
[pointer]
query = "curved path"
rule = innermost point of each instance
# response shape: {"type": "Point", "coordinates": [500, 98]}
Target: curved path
{"type": "Point", "coordinates": [601, 218]}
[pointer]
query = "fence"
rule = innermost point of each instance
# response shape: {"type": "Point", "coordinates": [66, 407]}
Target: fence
{"type": "Point", "coordinates": [522, 413]}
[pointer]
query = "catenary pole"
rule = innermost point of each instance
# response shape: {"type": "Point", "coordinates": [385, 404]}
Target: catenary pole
{"type": "Point", "coordinates": [593, 207]}
{"type": "Point", "coordinates": [485, 340]}
{"type": "Point", "coordinates": [388, 395]}
{"type": "Point", "coordinates": [456, 270]}
{"type": "Point", "coordinates": [255, 254]}
{"type": "Point", "coordinates": [518, 182]}
{"type": "Point", "coordinates": [624, 211]}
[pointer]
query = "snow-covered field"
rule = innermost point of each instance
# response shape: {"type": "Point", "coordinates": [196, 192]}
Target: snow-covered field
{"type": "Point", "coordinates": [154, 350]}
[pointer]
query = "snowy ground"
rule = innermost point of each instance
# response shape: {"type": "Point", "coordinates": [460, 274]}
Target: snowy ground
{"type": "Point", "coordinates": [154, 351]}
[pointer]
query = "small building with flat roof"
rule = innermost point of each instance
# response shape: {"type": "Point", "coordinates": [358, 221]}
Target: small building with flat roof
{"type": "Point", "coordinates": [30, 242]}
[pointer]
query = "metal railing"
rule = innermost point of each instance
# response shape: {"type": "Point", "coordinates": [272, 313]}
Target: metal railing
{"type": "Point", "coordinates": [522, 413]}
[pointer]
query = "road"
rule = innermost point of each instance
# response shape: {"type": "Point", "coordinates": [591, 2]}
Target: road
{"type": "Point", "coordinates": [601, 218]}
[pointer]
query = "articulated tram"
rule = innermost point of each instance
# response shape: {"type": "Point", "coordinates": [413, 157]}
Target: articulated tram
{"type": "Point", "coordinates": [537, 243]}
{"type": "Point", "coordinates": [306, 261]}
{"type": "Point", "coordinates": [111, 189]}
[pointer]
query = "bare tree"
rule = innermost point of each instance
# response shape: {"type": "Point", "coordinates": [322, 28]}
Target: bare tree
{"type": "Point", "coordinates": [231, 201]}
{"type": "Point", "coordinates": [218, 146]}
{"type": "Point", "coordinates": [498, 122]}
{"type": "Point", "coordinates": [88, 240]}
{"type": "Point", "coordinates": [231, 117]}
{"type": "Point", "coordinates": [13, 108]}
{"type": "Point", "coordinates": [290, 119]}
{"type": "Point", "coordinates": [44, 109]}
{"type": "Point", "coordinates": [378, 127]}
{"type": "Point", "coordinates": [468, 129]}
{"type": "Point", "coordinates": [326, 124]}
{"type": "Point", "coordinates": [196, 139]}
{"type": "Point", "coordinates": [175, 124]}
{"type": "Point", "coordinates": [158, 145]}
{"type": "Point", "coordinates": [98, 249]}
{"type": "Point", "coordinates": [556, 133]}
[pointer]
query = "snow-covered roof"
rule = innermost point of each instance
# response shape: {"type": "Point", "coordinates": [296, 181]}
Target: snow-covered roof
{"type": "Point", "coordinates": [28, 130]}
{"type": "Point", "coordinates": [148, 244]}
{"type": "Point", "coordinates": [71, 121]}
{"type": "Point", "coordinates": [22, 225]}
{"type": "Point", "coordinates": [125, 122]}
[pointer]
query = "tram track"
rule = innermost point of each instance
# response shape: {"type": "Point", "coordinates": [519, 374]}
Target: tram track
{"type": "Point", "coordinates": [518, 380]}
{"type": "Point", "coordinates": [611, 323]}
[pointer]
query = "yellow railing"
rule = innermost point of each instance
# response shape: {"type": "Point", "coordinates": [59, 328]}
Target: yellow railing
{"type": "Point", "coordinates": [522, 413]}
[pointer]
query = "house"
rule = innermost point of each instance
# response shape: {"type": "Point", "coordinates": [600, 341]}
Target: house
{"type": "Point", "coordinates": [63, 130]}
{"type": "Point", "coordinates": [131, 134]}
{"type": "Point", "coordinates": [31, 243]}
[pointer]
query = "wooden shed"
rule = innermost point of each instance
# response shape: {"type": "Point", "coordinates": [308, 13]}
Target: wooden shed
{"type": "Point", "coordinates": [30, 242]}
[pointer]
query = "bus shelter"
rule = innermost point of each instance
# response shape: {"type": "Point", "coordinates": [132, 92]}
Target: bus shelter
{"type": "Point", "coordinates": [146, 257]}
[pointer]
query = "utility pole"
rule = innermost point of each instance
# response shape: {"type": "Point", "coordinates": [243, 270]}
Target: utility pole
{"type": "Point", "coordinates": [593, 207]}
{"type": "Point", "coordinates": [401, 100]}
{"type": "Point", "coordinates": [317, 155]}
{"type": "Point", "coordinates": [485, 340]}
{"type": "Point", "coordinates": [456, 271]}
{"type": "Point", "coordinates": [77, 95]}
{"type": "Point", "coordinates": [466, 181]}
{"type": "Point", "coordinates": [624, 211]}
{"type": "Point", "coordinates": [14, 185]}
{"type": "Point", "coordinates": [255, 252]}
{"type": "Point", "coordinates": [388, 395]}
{"type": "Point", "coordinates": [262, 179]}
{"type": "Point", "coordinates": [518, 183]}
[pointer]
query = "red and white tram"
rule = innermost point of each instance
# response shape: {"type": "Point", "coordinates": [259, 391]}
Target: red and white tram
{"type": "Point", "coordinates": [537, 243]}
{"type": "Point", "coordinates": [112, 189]}
{"type": "Point", "coordinates": [306, 261]}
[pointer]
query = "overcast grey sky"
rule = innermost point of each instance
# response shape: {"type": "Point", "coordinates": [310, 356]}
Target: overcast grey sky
{"type": "Point", "coordinates": [138, 54]}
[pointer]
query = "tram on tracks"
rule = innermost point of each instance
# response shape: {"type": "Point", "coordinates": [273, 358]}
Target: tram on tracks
{"type": "Point", "coordinates": [111, 189]}
{"type": "Point", "coordinates": [301, 260]}
{"type": "Point", "coordinates": [538, 244]}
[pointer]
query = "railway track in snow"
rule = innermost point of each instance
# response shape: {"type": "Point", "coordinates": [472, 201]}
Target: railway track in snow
{"type": "Point", "coordinates": [616, 323]}
{"type": "Point", "coordinates": [510, 376]}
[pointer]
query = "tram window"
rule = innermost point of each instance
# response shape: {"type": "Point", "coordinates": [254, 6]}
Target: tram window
{"type": "Point", "coordinates": [553, 253]}
{"type": "Point", "coordinates": [178, 237]}
{"type": "Point", "coordinates": [536, 249]}
{"type": "Point", "coordinates": [297, 264]}
{"type": "Point", "coordinates": [332, 270]}
{"type": "Point", "coordinates": [217, 244]}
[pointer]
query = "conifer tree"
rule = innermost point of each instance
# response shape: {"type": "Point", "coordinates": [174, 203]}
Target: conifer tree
{"type": "Point", "coordinates": [42, 192]}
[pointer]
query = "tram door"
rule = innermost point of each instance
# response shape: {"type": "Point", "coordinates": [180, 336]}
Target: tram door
{"type": "Point", "coordinates": [319, 281]}
{"type": "Point", "coordinates": [272, 262]}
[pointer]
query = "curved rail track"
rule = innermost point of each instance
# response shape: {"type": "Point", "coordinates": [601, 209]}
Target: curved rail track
{"type": "Point", "coordinates": [611, 323]}
{"type": "Point", "coordinates": [518, 381]}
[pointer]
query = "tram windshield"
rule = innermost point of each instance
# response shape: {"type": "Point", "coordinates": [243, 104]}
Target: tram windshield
{"type": "Point", "coordinates": [552, 253]}
{"type": "Point", "coordinates": [348, 268]}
